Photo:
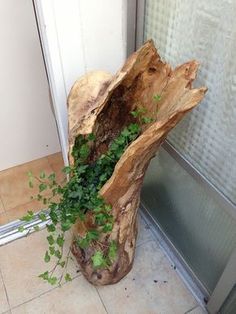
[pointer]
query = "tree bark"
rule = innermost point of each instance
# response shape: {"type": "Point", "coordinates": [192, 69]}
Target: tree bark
{"type": "Point", "coordinates": [100, 103]}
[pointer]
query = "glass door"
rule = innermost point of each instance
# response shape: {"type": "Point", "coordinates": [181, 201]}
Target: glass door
{"type": "Point", "coordinates": [189, 188]}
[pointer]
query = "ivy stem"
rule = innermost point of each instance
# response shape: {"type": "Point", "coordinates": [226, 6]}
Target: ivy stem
{"type": "Point", "coordinates": [67, 259]}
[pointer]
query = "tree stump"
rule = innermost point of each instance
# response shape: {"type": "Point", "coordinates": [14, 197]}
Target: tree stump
{"type": "Point", "coordinates": [100, 103]}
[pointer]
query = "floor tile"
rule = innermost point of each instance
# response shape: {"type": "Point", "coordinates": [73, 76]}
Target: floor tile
{"type": "Point", "coordinates": [152, 286]}
{"type": "Point", "coordinates": [3, 298]}
{"type": "Point", "coordinates": [57, 164]}
{"type": "Point", "coordinates": [21, 262]}
{"type": "Point", "coordinates": [20, 210]}
{"type": "Point", "coordinates": [3, 219]}
{"type": "Point", "coordinates": [144, 232]}
{"type": "Point", "coordinates": [14, 188]}
{"type": "Point", "coordinates": [1, 206]}
{"type": "Point", "coordinates": [77, 296]}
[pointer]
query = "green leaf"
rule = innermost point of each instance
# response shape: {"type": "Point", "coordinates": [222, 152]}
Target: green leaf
{"type": "Point", "coordinates": [112, 251]}
{"type": "Point", "coordinates": [134, 114]}
{"type": "Point", "coordinates": [62, 264]}
{"type": "Point", "coordinates": [52, 280]}
{"type": "Point", "coordinates": [68, 277]}
{"type": "Point", "coordinates": [42, 187]}
{"type": "Point", "coordinates": [42, 175]}
{"type": "Point", "coordinates": [67, 170]}
{"type": "Point", "coordinates": [52, 250]}
{"type": "Point", "coordinates": [101, 218]}
{"type": "Point", "coordinates": [47, 257]}
{"type": "Point", "coordinates": [142, 110]}
{"type": "Point", "coordinates": [31, 178]}
{"type": "Point", "coordinates": [134, 128]}
{"type": "Point", "coordinates": [93, 235]}
{"type": "Point", "coordinates": [83, 243]}
{"type": "Point", "coordinates": [157, 97]}
{"type": "Point", "coordinates": [147, 120]}
{"type": "Point", "coordinates": [125, 132]}
{"type": "Point", "coordinates": [44, 275]}
{"type": "Point", "coordinates": [66, 225]}
{"type": "Point", "coordinates": [114, 146]}
{"type": "Point", "coordinates": [138, 112]}
{"type": "Point", "coordinates": [97, 209]}
{"type": "Point", "coordinates": [107, 227]}
{"type": "Point", "coordinates": [76, 194]}
{"type": "Point", "coordinates": [21, 229]}
{"type": "Point", "coordinates": [31, 184]}
{"type": "Point", "coordinates": [60, 240]}
{"type": "Point", "coordinates": [42, 216]}
{"type": "Point", "coordinates": [51, 228]}
{"type": "Point", "coordinates": [51, 240]}
{"type": "Point", "coordinates": [108, 207]}
{"type": "Point", "coordinates": [84, 151]}
{"type": "Point", "coordinates": [53, 216]}
{"type": "Point", "coordinates": [98, 260]}
{"type": "Point", "coordinates": [58, 254]}
{"type": "Point", "coordinates": [82, 169]}
{"type": "Point", "coordinates": [103, 177]}
{"type": "Point", "coordinates": [36, 228]}
{"type": "Point", "coordinates": [39, 197]}
{"type": "Point", "coordinates": [91, 137]}
{"type": "Point", "coordinates": [52, 176]}
{"type": "Point", "coordinates": [29, 174]}
{"type": "Point", "coordinates": [28, 217]}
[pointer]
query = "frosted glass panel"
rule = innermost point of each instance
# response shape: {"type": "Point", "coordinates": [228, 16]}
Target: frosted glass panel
{"type": "Point", "coordinates": [206, 31]}
{"type": "Point", "coordinates": [200, 229]}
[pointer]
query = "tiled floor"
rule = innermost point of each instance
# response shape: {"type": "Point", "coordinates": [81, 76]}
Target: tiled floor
{"type": "Point", "coordinates": [152, 286]}
{"type": "Point", "coordinates": [14, 189]}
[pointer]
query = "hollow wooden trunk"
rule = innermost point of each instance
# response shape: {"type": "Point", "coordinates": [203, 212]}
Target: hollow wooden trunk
{"type": "Point", "coordinates": [101, 104]}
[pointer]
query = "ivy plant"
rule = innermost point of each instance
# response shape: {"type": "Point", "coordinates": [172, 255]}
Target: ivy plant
{"type": "Point", "coordinates": [69, 201]}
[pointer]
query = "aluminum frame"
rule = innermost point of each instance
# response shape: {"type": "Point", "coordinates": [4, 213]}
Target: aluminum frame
{"type": "Point", "coordinates": [140, 22]}
{"type": "Point", "coordinates": [224, 285]}
{"type": "Point", "coordinates": [11, 231]}
{"type": "Point", "coordinates": [131, 26]}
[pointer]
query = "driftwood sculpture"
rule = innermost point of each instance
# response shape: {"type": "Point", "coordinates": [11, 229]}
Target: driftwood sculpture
{"type": "Point", "coordinates": [100, 103]}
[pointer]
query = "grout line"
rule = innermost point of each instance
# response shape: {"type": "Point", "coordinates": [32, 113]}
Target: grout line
{"type": "Point", "coordinates": [193, 308]}
{"type": "Point", "coordinates": [144, 242]}
{"type": "Point", "coordinates": [49, 164]}
{"type": "Point", "coordinates": [5, 289]}
{"type": "Point", "coordinates": [101, 300]}
{"type": "Point", "coordinates": [42, 294]}
{"type": "Point", "coordinates": [38, 296]}
{"type": "Point", "coordinates": [3, 205]}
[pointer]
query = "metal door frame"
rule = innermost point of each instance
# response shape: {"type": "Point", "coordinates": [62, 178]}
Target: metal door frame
{"type": "Point", "coordinates": [228, 277]}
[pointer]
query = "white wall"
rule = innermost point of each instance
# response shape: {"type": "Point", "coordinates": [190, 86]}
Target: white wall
{"type": "Point", "coordinates": [80, 36]}
{"type": "Point", "coordinates": [27, 125]}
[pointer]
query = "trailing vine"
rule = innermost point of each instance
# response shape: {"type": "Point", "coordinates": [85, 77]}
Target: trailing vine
{"type": "Point", "coordinates": [79, 195]}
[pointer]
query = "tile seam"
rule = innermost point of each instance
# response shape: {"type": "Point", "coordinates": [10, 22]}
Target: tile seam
{"type": "Point", "coordinates": [41, 294]}
{"type": "Point", "coordinates": [5, 289]}
{"type": "Point", "coordinates": [101, 300]}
